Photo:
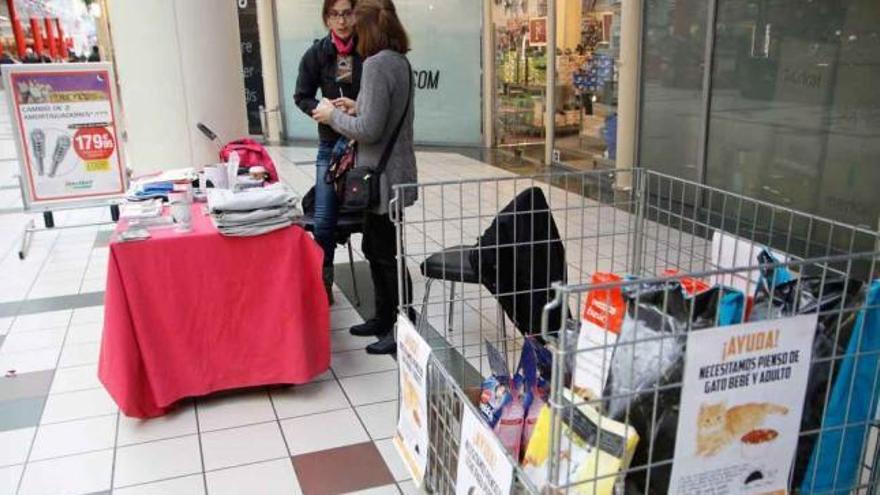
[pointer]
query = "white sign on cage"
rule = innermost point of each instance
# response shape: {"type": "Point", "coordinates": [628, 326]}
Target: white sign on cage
{"type": "Point", "coordinates": [742, 399]}
{"type": "Point", "coordinates": [411, 438]}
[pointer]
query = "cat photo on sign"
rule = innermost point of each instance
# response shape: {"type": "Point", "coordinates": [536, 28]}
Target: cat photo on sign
{"type": "Point", "coordinates": [718, 425]}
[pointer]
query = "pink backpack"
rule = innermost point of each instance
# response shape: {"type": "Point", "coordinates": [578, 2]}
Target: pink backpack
{"type": "Point", "coordinates": [250, 153]}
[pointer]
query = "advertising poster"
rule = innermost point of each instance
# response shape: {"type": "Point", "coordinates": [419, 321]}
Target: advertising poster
{"type": "Point", "coordinates": [67, 133]}
{"type": "Point", "coordinates": [483, 466]}
{"type": "Point", "coordinates": [538, 31]}
{"type": "Point", "coordinates": [741, 404]}
{"type": "Point", "coordinates": [411, 438]}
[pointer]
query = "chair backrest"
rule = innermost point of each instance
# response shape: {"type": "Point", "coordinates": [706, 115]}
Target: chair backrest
{"type": "Point", "coordinates": [251, 153]}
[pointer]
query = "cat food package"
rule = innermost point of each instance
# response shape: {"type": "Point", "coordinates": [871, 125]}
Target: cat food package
{"type": "Point", "coordinates": [593, 449]}
{"type": "Point", "coordinates": [495, 392]}
{"type": "Point", "coordinates": [501, 402]}
{"type": "Point", "coordinates": [534, 368]}
{"type": "Point", "coordinates": [601, 324]}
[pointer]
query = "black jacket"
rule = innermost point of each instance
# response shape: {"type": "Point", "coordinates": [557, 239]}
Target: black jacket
{"type": "Point", "coordinates": [317, 70]}
{"type": "Point", "coordinates": [521, 256]}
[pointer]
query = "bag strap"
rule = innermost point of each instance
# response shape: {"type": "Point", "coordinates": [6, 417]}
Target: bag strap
{"type": "Point", "coordinates": [386, 154]}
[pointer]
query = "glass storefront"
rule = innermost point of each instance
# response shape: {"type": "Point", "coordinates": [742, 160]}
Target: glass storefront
{"type": "Point", "coordinates": [586, 59]}
{"type": "Point", "coordinates": [790, 113]}
{"type": "Point", "coordinates": [446, 42]}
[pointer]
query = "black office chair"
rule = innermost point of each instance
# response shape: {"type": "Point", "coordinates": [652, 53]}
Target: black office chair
{"type": "Point", "coordinates": [454, 266]}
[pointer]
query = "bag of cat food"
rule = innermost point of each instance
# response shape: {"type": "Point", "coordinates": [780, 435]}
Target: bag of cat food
{"type": "Point", "coordinates": [501, 402]}
{"type": "Point", "coordinates": [534, 368]}
{"type": "Point", "coordinates": [593, 449]}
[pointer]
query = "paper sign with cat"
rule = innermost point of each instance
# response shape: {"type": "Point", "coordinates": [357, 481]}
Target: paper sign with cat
{"type": "Point", "coordinates": [742, 399]}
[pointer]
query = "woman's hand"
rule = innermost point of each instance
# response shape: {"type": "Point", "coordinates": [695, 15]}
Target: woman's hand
{"type": "Point", "coordinates": [323, 112]}
{"type": "Point", "coordinates": [347, 105]}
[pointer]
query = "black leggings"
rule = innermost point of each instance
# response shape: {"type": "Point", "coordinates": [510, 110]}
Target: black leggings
{"type": "Point", "coordinates": [380, 248]}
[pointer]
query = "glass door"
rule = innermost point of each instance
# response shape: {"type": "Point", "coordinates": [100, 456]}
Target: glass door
{"type": "Point", "coordinates": [587, 57]}
{"type": "Point", "coordinates": [520, 52]}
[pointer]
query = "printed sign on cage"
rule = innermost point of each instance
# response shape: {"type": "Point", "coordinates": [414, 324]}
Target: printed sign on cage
{"type": "Point", "coordinates": [411, 438]}
{"type": "Point", "coordinates": [483, 464]}
{"type": "Point", "coordinates": [741, 403]}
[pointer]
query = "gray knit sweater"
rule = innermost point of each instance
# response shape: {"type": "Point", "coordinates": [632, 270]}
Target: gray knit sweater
{"type": "Point", "coordinates": [380, 106]}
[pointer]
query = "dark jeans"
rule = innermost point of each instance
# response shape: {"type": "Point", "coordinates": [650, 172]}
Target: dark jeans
{"type": "Point", "coordinates": [380, 248]}
{"type": "Point", "coordinates": [326, 210]}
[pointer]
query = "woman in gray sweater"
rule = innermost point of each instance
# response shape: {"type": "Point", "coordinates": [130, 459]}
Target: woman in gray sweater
{"type": "Point", "coordinates": [384, 99]}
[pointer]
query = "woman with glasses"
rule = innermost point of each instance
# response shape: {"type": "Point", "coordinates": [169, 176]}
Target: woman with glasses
{"type": "Point", "coordinates": [332, 65]}
{"type": "Point", "coordinates": [382, 116]}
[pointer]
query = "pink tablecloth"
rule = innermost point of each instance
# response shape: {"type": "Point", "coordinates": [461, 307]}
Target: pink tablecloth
{"type": "Point", "coordinates": [190, 314]}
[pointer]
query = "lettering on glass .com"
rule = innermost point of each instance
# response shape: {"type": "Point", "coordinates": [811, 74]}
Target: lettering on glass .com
{"type": "Point", "coordinates": [427, 79]}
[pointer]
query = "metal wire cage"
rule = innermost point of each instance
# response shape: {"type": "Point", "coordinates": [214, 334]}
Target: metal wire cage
{"type": "Point", "coordinates": [516, 255]}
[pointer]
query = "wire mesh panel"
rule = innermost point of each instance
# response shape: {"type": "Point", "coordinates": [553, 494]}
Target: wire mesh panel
{"type": "Point", "coordinates": [500, 262]}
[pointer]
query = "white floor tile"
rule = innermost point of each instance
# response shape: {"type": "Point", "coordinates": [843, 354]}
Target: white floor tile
{"type": "Point", "coordinates": [234, 409]}
{"type": "Point", "coordinates": [29, 361]}
{"type": "Point", "coordinates": [379, 490]}
{"type": "Point", "coordinates": [247, 444]}
{"type": "Point", "coordinates": [75, 379]}
{"type": "Point", "coordinates": [179, 422]}
{"type": "Point", "coordinates": [30, 341]}
{"type": "Point", "coordinates": [367, 389]}
{"type": "Point", "coordinates": [353, 363]}
{"type": "Point", "coordinates": [266, 478]}
{"type": "Point", "coordinates": [84, 473]}
{"type": "Point", "coordinates": [323, 431]}
{"type": "Point", "coordinates": [84, 333]}
{"type": "Point", "coordinates": [409, 488]}
{"type": "Point", "coordinates": [379, 419]}
{"type": "Point", "coordinates": [40, 321]}
{"type": "Point", "coordinates": [340, 320]}
{"type": "Point", "coordinates": [9, 477]}
{"type": "Point", "coordinates": [74, 437]}
{"type": "Point", "coordinates": [5, 323]}
{"type": "Point", "coordinates": [341, 341]}
{"type": "Point", "coordinates": [154, 461]}
{"type": "Point", "coordinates": [313, 398]}
{"type": "Point", "coordinates": [392, 459]}
{"type": "Point", "coordinates": [79, 354]}
{"type": "Point", "coordinates": [91, 314]}
{"type": "Point", "coordinates": [77, 405]}
{"type": "Point", "coordinates": [14, 446]}
{"type": "Point", "coordinates": [188, 485]}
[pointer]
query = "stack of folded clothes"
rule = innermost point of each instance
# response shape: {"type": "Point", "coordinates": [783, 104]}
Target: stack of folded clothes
{"type": "Point", "coordinates": [253, 211]}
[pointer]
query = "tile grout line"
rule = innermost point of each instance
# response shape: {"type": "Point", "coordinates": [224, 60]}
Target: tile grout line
{"type": "Point", "coordinates": [354, 410]}
{"type": "Point", "coordinates": [43, 409]}
{"type": "Point", "coordinates": [115, 449]}
{"type": "Point", "coordinates": [201, 449]}
{"type": "Point", "coordinates": [281, 430]}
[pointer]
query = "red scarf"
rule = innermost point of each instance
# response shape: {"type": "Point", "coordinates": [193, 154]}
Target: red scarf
{"type": "Point", "coordinates": [343, 47]}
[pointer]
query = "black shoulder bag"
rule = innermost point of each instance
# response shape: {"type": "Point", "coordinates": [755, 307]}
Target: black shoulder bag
{"type": "Point", "coordinates": [359, 188]}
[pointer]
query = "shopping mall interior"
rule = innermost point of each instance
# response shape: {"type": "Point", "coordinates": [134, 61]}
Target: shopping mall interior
{"type": "Point", "coordinates": [602, 185]}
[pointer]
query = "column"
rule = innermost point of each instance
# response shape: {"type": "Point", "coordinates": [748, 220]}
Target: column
{"type": "Point", "coordinates": [489, 87]}
{"type": "Point", "coordinates": [628, 89]}
{"type": "Point", "coordinates": [178, 63]}
{"type": "Point", "coordinates": [17, 31]}
{"type": "Point", "coordinates": [50, 39]}
{"type": "Point", "coordinates": [550, 99]}
{"type": "Point", "coordinates": [37, 35]}
{"type": "Point", "coordinates": [266, 23]}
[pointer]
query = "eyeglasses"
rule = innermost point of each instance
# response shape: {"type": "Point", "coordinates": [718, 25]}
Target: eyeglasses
{"type": "Point", "coordinates": [338, 16]}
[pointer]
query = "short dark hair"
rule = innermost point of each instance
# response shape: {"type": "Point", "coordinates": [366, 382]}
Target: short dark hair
{"type": "Point", "coordinates": [378, 28]}
{"type": "Point", "coordinates": [328, 5]}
